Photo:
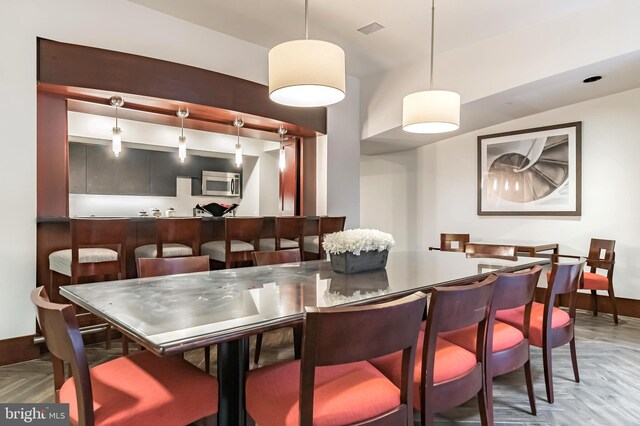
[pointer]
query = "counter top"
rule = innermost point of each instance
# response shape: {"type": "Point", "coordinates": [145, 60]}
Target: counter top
{"type": "Point", "coordinates": [65, 219]}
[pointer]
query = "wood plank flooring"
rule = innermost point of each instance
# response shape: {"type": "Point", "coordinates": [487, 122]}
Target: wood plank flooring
{"type": "Point", "coordinates": [608, 394]}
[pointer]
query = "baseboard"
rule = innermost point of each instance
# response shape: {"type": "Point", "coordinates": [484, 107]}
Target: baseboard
{"type": "Point", "coordinates": [18, 349]}
{"type": "Point", "coordinates": [626, 307]}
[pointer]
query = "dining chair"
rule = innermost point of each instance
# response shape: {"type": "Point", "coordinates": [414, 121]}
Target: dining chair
{"type": "Point", "coordinates": [446, 375]}
{"type": "Point", "coordinates": [262, 258]}
{"type": "Point", "coordinates": [241, 238]}
{"type": "Point", "coordinates": [175, 237]}
{"type": "Point", "coordinates": [551, 327]}
{"type": "Point", "coordinates": [288, 234]}
{"type": "Point", "coordinates": [140, 389]}
{"type": "Point", "coordinates": [98, 250]}
{"type": "Point", "coordinates": [602, 256]}
{"type": "Point", "coordinates": [495, 251]}
{"type": "Point", "coordinates": [155, 267]}
{"type": "Point", "coordinates": [452, 242]}
{"type": "Point", "coordinates": [507, 348]}
{"type": "Point", "coordinates": [326, 225]}
{"type": "Point", "coordinates": [334, 383]}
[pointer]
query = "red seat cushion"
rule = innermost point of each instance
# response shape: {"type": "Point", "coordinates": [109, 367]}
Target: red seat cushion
{"type": "Point", "coordinates": [144, 389]}
{"type": "Point", "coordinates": [505, 336]}
{"type": "Point", "coordinates": [344, 394]}
{"type": "Point", "coordinates": [451, 361]}
{"type": "Point", "coordinates": [515, 318]}
{"type": "Point", "coordinates": [592, 281]}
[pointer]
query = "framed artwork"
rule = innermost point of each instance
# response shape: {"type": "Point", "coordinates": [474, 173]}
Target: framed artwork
{"type": "Point", "coordinates": [534, 172]}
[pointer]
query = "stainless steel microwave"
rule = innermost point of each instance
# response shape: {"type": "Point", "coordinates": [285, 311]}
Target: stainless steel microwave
{"type": "Point", "coordinates": [221, 184]}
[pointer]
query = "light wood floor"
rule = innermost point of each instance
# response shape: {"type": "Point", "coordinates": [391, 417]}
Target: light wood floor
{"type": "Point", "coordinates": [608, 394]}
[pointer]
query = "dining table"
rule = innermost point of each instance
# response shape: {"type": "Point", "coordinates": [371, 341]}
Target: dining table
{"type": "Point", "coordinates": [170, 315]}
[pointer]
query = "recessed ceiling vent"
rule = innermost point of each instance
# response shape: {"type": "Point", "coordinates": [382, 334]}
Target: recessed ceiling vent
{"type": "Point", "coordinates": [371, 28]}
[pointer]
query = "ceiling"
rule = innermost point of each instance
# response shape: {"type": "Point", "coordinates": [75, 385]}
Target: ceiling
{"type": "Point", "coordinates": [404, 39]}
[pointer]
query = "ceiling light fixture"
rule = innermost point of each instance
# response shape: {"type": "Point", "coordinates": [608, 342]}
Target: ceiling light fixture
{"type": "Point", "coordinates": [116, 135]}
{"type": "Point", "coordinates": [431, 111]}
{"type": "Point", "coordinates": [307, 73]}
{"type": "Point", "coordinates": [282, 161]}
{"type": "Point", "coordinates": [182, 139]}
{"type": "Point", "coordinates": [238, 122]}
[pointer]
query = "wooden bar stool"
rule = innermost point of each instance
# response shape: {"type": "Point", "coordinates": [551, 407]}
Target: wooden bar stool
{"type": "Point", "coordinates": [241, 238]}
{"type": "Point", "coordinates": [326, 225]}
{"type": "Point", "coordinates": [97, 250]}
{"type": "Point", "coordinates": [289, 233]}
{"type": "Point", "coordinates": [175, 237]}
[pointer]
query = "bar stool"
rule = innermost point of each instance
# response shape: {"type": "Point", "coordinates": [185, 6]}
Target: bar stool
{"type": "Point", "coordinates": [326, 225]}
{"type": "Point", "coordinates": [175, 237]}
{"type": "Point", "coordinates": [97, 249]}
{"type": "Point", "coordinates": [289, 233]}
{"type": "Point", "coordinates": [241, 238]}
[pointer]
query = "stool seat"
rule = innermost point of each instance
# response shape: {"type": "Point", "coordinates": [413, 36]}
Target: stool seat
{"type": "Point", "coordinates": [312, 243]}
{"type": "Point", "coordinates": [60, 261]}
{"type": "Point", "coordinates": [168, 250]}
{"type": "Point", "coordinates": [216, 251]}
{"type": "Point", "coordinates": [269, 244]}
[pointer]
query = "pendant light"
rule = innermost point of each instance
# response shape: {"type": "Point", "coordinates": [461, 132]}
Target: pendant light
{"type": "Point", "coordinates": [307, 73]}
{"type": "Point", "coordinates": [116, 133]}
{"type": "Point", "coordinates": [282, 159]}
{"type": "Point", "coordinates": [182, 139]}
{"type": "Point", "coordinates": [431, 111]}
{"type": "Point", "coordinates": [238, 122]}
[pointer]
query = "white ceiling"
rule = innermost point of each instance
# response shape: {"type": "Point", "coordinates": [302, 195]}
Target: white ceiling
{"type": "Point", "coordinates": [405, 38]}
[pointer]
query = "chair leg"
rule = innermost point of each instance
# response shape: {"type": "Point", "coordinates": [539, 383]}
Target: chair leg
{"type": "Point", "coordinates": [108, 335]}
{"type": "Point", "coordinates": [574, 359]}
{"type": "Point", "coordinates": [532, 397]}
{"type": "Point", "coordinates": [207, 359]}
{"type": "Point", "coordinates": [297, 341]}
{"type": "Point", "coordinates": [483, 406]}
{"type": "Point", "coordinates": [614, 305]}
{"type": "Point", "coordinates": [256, 355]}
{"type": "Point", "coordinates": [548, 373]}
{"type": "Point", "coordinates": [488, 393]}
{"type": "Point", "coordinates": [594, 302]}
{"type": "Point", "coordinates": [125, 345]}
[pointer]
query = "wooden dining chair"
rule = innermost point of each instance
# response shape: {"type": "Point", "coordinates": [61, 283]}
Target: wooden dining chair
{"type": "Point", "coordinates": [175, 237]}
{"type": "Point", "coordinates": [333, 383]}
{"type": "Point", "coordinates": [452, 242]}
{"type": "Point", "coordinates": [551, 327]}
{"type": "Point", "coordinates": [446, 375]}
{"type": "Point", "coordinates": [507, 347]}
{"type": "Point", "coordinates": [313, 243]}
{"type": "Point", "coordinates": [602, 256]}
{"type": "Point", "coordinates": [262, 258]}
{"type": "Point", "coordinates": [289, 231]}
{"type": "Point", "coordinates": [155, 267]}
{"type": "Point", "coordinates": [140, 389]}
{"type": "Point", "coordinates": [241, 238]}
{"type": "Point", "coordinates": [495, 251]}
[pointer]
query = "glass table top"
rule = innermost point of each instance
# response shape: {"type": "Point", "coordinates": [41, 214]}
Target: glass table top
{"type": "Point", "coordinates": [169, 313]}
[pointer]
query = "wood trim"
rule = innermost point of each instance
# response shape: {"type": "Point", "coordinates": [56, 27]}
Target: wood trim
{"type": "Point", "coordinates": [18, 349]}
{"type": "Point", "coordinates": [308, 176]}
{"type": "Point", "coordinates": [626, 307]}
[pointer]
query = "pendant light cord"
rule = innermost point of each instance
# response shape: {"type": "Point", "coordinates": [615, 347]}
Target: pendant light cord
{"type": "Point", "coordinates": [182, 125]}
{"type": "Point", "coordinates": [306, 19]}
{"type": "Point", "coordinates": [116, 116]}
{"type": "Point", "coordinates": [433, 20]}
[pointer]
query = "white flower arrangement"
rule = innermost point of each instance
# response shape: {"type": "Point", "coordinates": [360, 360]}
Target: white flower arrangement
{"type": "Point", "coordinates": [357, 240]}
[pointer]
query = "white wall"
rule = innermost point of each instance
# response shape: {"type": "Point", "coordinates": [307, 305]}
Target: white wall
{"type": "Point", "coordinates": [269, 183]}
{"type": "Point", "coordinates": [446, 188]}
{"type": "Point", "coordinates": [137, 30]}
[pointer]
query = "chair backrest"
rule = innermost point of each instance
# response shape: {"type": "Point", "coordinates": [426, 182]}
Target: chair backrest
{"type": "Point", "coordinates": [601, 254]}
{"type": "Point", "coordinates": [292, 228]}
{"type": "Point", "coordinates": [184, 230]}
{"type": "Point", "coordinates": [491, 250]}
{"type": "Point", "coordinates": [261, 258]}
{"type": "Point", "coordinates": [59, 327]}
{"type": "Point", "coordinates": [565, 279]}
{"type": "Point", "coordinates": [448, 242]}
{"type": "Point", "coordinates": [341, 335]}
{"type": "Point", "coordinates": [454, 308]}
{"type": "Point", "coordinates": [329, 225]}
{"type": "Point", "coordinates": [155, 267]}
{"type": "Point", "coordinates": [107, 233]}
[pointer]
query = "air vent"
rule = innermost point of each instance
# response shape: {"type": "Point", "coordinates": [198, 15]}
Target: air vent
{"type": "Point", "coordinates": [371, 28]}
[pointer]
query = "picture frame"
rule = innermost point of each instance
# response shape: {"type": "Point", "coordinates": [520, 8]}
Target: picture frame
{"type": "Point", "coordinates": [531, 172]}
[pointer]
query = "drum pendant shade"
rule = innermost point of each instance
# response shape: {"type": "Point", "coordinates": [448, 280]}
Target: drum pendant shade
{"type": "Point", "coordinates": [307, 73]}
{"type": "Point", "coordinates": [431, 111]}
